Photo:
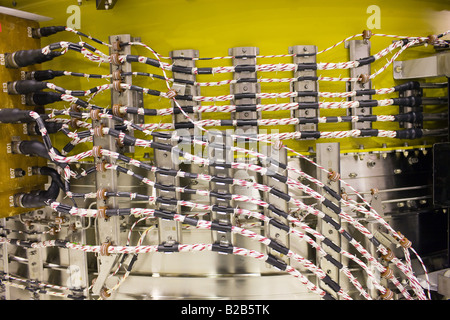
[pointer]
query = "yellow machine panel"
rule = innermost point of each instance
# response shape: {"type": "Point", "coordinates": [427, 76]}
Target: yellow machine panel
{"type": "Point", "coordinates": [225, 150]}
{"type": "Point", "coordinates": [16, 169]}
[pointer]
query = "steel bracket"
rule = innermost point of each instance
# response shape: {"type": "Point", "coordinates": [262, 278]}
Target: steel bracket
{"type": "Point", "coordinates": [359, 49]}
{"type": "Point", "coordinates": [305, 54]}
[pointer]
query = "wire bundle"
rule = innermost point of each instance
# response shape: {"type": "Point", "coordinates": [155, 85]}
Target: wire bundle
{"type": "Point", "coordinates": [81, 112]}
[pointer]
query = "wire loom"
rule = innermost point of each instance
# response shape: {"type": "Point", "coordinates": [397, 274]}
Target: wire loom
{"type": "Point", "coordinates": [413, 291]}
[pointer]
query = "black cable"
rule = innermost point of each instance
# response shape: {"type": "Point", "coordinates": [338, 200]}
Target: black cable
{"type": "Point", "coordinates": [40, 198]}
{"type": "Point", "coordinates": [23, 58]}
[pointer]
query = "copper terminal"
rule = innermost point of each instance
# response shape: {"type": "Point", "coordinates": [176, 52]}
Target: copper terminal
{"type": "Point", "coordinates": [373, 191]}
{"type": "Point", "coordinates": [74, 123]}
{"type": "Point", "coordinates": [116, 110]}
{"type": "Point", "coordinates": [74, 107]}
{"type": "Point", "coordinates": [171, 93]}
{"type": "Point", "coordinates": [101, 212]}
{"type": "Point", "coordinates": [117, 45]}
{"type": "Point", "coordinates": [115, 59]}
{"type": "Point", "coordinates": [333, 175]}
{"type": "Point", "coordinates": [97, 151]}
{"type": "Point", "coordinates": [119, 143]}
{"type": "Point", "coordinates": [95, 114]}
{"type": "Point", "coordinates": [59, 220]}
{"type": "Point", "coordinates": [388, 295]}
{"type": "Point", "coordinates": [100, 166]}
{"type": "Point", "coordinates": [98, 131]}
{"type": "Point", "coordinates": [364, 78]}
{"type": "Point", "coordinates": [117, 85]}
{"type": "Point", "coordinates": [104, 248]}
{"type": "Point", "coordinates": [101, 194]}
{"type": "Point", "coordinates": [388, 256]}
{"type": "Point", "coordinates": [367, 34]}
{"type": "Point", "coordinates": [405, 243]}
{"type": "Point", "coordinates": [117, 75]}
{"type": "Point", "coordinates": [432, 39]}
{"type": "Point", "coordinates": [388, 273]}
{"type": "Point", "coordinates": [104, 294]}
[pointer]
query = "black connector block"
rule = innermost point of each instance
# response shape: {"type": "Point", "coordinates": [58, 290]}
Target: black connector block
{"type": "Point", "coordinates": [23, 58]}
{"type": "Point", "coordinates": [15, 115]}
{"type": "Point", "coordinates": [42, 75]}
{"type": "Point", "coordinates": [168, 247]}
{"type": "Point", "coordinates": [38, 33]}
{"type": "Point", "coordinates": [41, 98]}
{"type": "Point", "coordinates": [25, 86]}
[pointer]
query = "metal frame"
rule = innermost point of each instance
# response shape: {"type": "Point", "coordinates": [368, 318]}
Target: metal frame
{"type": "Point", "coordinates": [328, 156]}
{"type": "Point", "coordinates": [305, 54]}
{"type": "Point", "coordinates": [359, 49]}
{"type": "Point", "coordinates": [434, 66]}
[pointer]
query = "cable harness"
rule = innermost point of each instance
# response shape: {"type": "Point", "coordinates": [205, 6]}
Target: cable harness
{"type": "Point", "coordinates": [392, 277]}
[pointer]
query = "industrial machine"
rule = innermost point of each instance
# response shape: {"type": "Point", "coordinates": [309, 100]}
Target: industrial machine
{"type": "Point", "coordinates": [134, 173]}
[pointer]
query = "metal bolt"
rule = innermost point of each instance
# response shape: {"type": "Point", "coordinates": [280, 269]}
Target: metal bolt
{"type": "Point", "coordinates": [277, 146]}
{"type": "Point", "coordinates": [19, 172]}
{"type": "Point", "coordinates": [371, 164]}
{"type": "Point", "coordinates": [397, 171]}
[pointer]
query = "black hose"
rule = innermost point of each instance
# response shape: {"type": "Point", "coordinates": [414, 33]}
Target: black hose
{"type": "Point", "coordinates": [33, 147]}
{"type": "Point", "coordinates": [52, 127]}
{"type": "Point", "coordinates": [46, 31]}
{"type": "Point", "coordinates": [15, 115]}
{"type": "Point", "coordinates": [37, 148]}
{"type": "Point", "coordinates": [42, 75]}
{"type": "Point", "coordinates": [47, 171]}
{"type": "Point", "coordinates": [25, 58]}
{"type": "Point", "coordinates": [40, 198]}
{"type": "Point", "coordinates": [25, 86]}
{"type": "Point", "coordinates": [41, 98]}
